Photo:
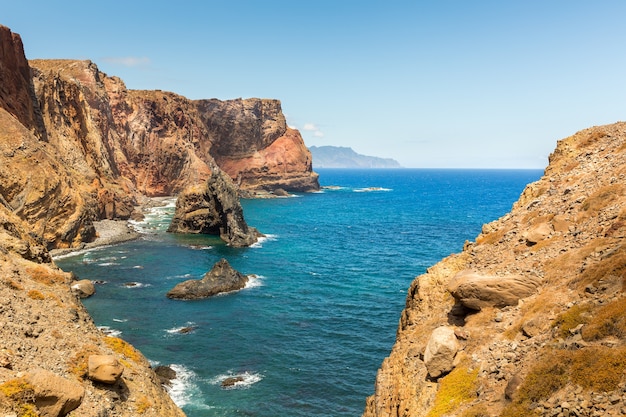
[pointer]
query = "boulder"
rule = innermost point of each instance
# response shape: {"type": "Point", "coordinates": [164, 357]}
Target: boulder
{"type": "Point", "coordinates": [104, 368]}
{"type": "Point", "coordinates": [166, 374]}
{"type": "Point", "coordinates": [440, 351]}
{"type": "Point", "coordinates": [221, 278]}
{"type": "Point", "coordinates": [54, 395]}
{"type": "Point", "coordinates": [83, 288]}
{"type": "Point", "coordinates": [477, 291]}
{"type": "Point", "coordinates": [538, 233]}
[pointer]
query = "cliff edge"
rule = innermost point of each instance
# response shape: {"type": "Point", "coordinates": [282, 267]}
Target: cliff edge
{"type": "Point", "coordinates": [530, 319]}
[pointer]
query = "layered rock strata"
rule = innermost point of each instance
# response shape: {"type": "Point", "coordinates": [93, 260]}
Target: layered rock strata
{"type": "Point", "coordinates": [252, 143]}
{"type": "Point", "coordinates": [536, 303]}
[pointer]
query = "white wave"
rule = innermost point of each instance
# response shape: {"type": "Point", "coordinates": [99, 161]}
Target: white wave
{"type": "Point", "coordinates": [254, 281]}
{"type": "Point", "coordinates": [120, 320]}
{"type": "Point", "coordinates": [178, 330]}
{"type": "Point", "coordinates": [138, 267]}
{"type": "Point", "coordinates": [244, 380]}
{"type": "Point", "coordinates": [108, 263]}
{"type": "Point", "coordinates": [371, 189]}
{"type": "Point", "coordinates": [108, 331]}
{"type": "Point", "coordinates": [263, 239]}
{"type": "Point", "coordinates": [134, 284]}
{"type": "Point", "coordinates": [183, 387]}
{"type": "Point", "coordinates": [200, 247]}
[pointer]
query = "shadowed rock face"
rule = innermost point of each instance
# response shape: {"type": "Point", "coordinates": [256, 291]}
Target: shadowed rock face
{"type": "Point", "coordinates": [214, 209]}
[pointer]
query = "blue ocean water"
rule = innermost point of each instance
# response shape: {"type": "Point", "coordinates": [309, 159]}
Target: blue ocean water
{"type": "Point", "coordinates": [308, 335]}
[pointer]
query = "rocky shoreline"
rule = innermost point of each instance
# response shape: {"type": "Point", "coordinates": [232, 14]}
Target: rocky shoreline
{"type": "Point", "coordinates": [108, 232]}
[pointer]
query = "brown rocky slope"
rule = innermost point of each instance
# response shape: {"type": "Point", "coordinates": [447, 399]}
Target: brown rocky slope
{"type": "Point", "coordinates": [530, 318]}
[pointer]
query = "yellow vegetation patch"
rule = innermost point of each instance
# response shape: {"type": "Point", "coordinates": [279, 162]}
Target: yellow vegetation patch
{"type": "Point", "coordinates": [571, 318]}
{"type": "Point", "coordinates": [143, 404]}
{"type": "Point", "coordinates": [608, 320]}
{"type": "Point", "coordinates": [17, 389]}
{"type": "Point", "coordinates": [78, 364]}
{"type": "Point", "coordinates": [123, 348]}
{"type": "Point", "coordinates": [597, 368]}
{"type": "Point", "coordinates": [455, 389]}
{"type": "Point", "coordinates": [45, 275]}
{"type": "Point", "coordinates": [36, 295]}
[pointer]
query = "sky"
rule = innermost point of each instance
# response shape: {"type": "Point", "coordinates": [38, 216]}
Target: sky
{"type": "Point", "coordinates": [432, 84]}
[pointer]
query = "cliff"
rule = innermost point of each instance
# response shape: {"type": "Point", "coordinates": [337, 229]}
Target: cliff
{"type": "Point", "coordinates": [77, 146]}
{"type": "Point", "coordinates": [342, 157]}
{"type": "Point", "coordinates": [530, 319]}
{"type": "Point", "coordinates": [250, 141]}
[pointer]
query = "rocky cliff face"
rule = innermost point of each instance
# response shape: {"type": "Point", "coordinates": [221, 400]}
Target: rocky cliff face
{"type": "Point", "coordinates": [252, 143]}
{"type": "Point", "coordinates": [76, 146]}
{"type": "Point", "coordinates": [213, 208]}
{"type": "Point", "coordinates": [536, 305]}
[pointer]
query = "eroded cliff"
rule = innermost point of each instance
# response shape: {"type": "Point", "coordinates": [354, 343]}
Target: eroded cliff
{"type": "Point", "coordinates": [76, 146]}
{"type": "Point", "coordinates": [252, 143]}
{"type": "Point", "coordinates": [535, 306]}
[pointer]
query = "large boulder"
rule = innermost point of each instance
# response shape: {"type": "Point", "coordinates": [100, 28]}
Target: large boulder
{"type": "Point", "coordinates": [214, 209]}
{"type": "Point", "coordinates": [83, 288]}
{"type": "Point", "coordinates": [104, 368]}
{"type": "Point", "coordinates": [477, 291]}
{"type": "Point", "coordinates": [54, 395]}
{"type": "Point", "coordinates": [440, 351]}
{"type": "Point", "coordinates": [221, 278]}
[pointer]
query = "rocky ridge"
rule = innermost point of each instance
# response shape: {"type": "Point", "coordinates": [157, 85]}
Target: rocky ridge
{"type": "Point", "coordinates": [536, 303]}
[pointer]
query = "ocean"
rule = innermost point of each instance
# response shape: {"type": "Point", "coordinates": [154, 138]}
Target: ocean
{"type": "Point", "coordinates": [309, 333]}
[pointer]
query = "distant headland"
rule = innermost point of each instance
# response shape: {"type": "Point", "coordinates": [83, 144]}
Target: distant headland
{"type": "Point", "coordinates": [344, 157]}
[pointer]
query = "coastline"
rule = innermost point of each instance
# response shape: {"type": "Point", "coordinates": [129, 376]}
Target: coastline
{"type": "Point", "coordinates": [109, 232]}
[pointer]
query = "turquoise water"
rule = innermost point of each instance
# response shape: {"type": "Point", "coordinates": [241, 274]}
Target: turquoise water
{"type": "Point", "coordinates": [311, 331]}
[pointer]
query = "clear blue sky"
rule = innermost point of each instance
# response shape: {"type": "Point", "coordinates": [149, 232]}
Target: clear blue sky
{"type": "Point", "coordinates": [429, 83]}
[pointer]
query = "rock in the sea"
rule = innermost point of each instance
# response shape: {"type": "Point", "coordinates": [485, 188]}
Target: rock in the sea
{"type": "Point", "coordinates": [166, 374]}
{"type": "Point", "coordinates": [83, 288]}
{"type": "Point", "coordinates": [440, 351]}
{"type": "Point", "coordinates": [213, 208]}
{"type": "Point", "coordinates": [231, 381]}
{"type": "Point", "coordinates": [54, 395]}
{"type": "Point", "coordinates": [221, 278]}
{"type": "Point", "coordinates": [104, 368]}
{"type": "Point", "coordinates": [477, 291]}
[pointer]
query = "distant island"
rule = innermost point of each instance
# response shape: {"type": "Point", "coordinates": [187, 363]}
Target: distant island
{"type": "Point", "coordinates": [344, 157]}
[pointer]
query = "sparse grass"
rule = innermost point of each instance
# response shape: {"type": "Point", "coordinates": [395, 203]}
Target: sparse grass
{"type": "Point", "coordinates": [36, 295]}
{"type": "Point", "coordinates": [455, 389]}
{"type": "Point", "coordinates": [598, 369]}
{"type": "Point", "coordinates": [593, 137]}
{"type": "Point", "coordinates": [613, 265]}
{"type": "Point", "coordinates": [78, 364]}
{"type": "Point", "coordinates": [608, 320]}
{"type": "Point", "coordinates": [27, 410]}
{"type": "Point", "coordinates": [478, 410]}
{"type": "Point", "coordinates": [571, 318]}
{"type": "Point", "coordinates": [45, 275]}
{"type": "Point", "coordinates": [14, 285]}
{"type": "Point", "coordinates": [143, 404]}
{"type": "Point", "coordinates": [602, 198]}
{"type": "Point", "coordinates": [123, 348]}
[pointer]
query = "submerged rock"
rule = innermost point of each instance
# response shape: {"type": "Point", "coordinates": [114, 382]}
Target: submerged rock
{"type": "Point", "coordinates": [231, 381]}
{"type": "Point", "coordinates": [221, 278]}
